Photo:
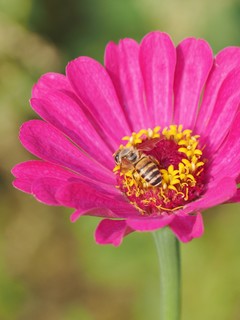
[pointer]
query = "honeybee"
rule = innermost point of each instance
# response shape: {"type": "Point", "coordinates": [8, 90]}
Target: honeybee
{"type": "Point", "coordinates": [145, 165]}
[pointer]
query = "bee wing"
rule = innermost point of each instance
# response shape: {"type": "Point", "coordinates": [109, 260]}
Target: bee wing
{"type": "Point", "coordinates": [148, 145]}
{"type": "Point", "coordinates": [126, 165]}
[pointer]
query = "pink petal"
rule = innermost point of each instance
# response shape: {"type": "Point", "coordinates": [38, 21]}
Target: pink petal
{"type": "Point", "coordinates": [23, 185]}
{"type": "Point", "coordinates": [148, 224]}
{"type": "Point", "coordinates": [235, 198]}
{"type": "Point", "coordinates": [158, 60]}
{"type": "Point", "coordinates": [85, 198]}
{"type": "Point", "coordinates": [44, 190]}
{"type": "Point", "coordinates": [96, 212]}
{"type": "Point", "coordinates": [187, 227]}
{"type": "Point", "coordinates": [76, 215]}
{"type": "Point", "coordinates": [27, 172]}
{"type": "Point", "coordinates": [49, 144]}
{"type": "Point", "coordinates": [111, 232]}
{"type": "Point", "coordinates": [218, 192]}
{"type": "Point", "coordinates": [238, 179]}
{"type": "Point", "coordinates": [225, 61]}
{"type": "Point", "coordinates": [111, 61]}
{"type": "Point", "coordinates": [194, 61]}
{"type": "Point", "coordinates": [225, 109]}
{"type": "Point", "coordinates": [37, 169]}
{"type": "Point", "coordinates": [122, 64]}
{"type": "Point", "coordinates": [66, 115]}
{"type": "Point", "coordinates": [226, 161]}
{"type": "Point", "coordinates": [49, 82]}
{"type": "Point", "coordinates": [94, 87]}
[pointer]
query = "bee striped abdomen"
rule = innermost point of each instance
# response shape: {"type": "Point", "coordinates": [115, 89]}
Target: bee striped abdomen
{"type": "Point", "coordinates": [149, 171]}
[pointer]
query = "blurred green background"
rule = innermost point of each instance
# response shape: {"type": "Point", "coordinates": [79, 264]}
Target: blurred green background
{"type": "Point", "coordinates": [52, 269]}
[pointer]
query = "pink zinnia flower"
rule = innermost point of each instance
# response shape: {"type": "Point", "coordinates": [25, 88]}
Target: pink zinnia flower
{"type": "Point", "coordinates": [178, 112]}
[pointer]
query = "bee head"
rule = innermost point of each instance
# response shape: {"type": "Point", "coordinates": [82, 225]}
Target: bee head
{"type": "Point", "coordinates": [117, 157]}
{"type": "Point", "coordinates": [123, 153]}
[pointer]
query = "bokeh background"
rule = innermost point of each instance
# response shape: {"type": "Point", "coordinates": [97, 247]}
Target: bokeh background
{"type": "Point", "coordinates": [51, 269]}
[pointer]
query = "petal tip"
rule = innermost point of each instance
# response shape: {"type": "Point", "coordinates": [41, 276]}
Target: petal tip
{"type": "Point", "coordinates": [111, 232]}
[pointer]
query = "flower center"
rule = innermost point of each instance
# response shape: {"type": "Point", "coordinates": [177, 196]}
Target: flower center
{"type": "Point", "coordinates": [160, 171]}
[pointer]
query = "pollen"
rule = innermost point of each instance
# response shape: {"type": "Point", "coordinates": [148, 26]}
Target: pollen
{"type": "Point", "coordinates": [160, 171]}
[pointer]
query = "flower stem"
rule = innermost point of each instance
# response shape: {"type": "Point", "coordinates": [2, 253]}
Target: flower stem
{"type": "Point", "coordinates": [169, 262]}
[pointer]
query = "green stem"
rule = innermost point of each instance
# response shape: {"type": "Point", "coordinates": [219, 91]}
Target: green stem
{"type": "Point", "coordinates": [169, 262]}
